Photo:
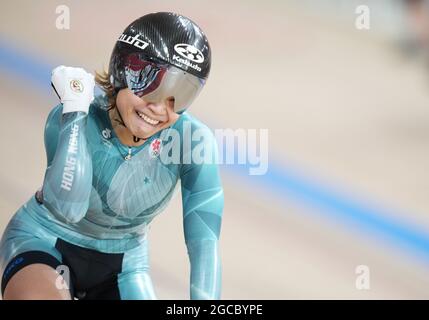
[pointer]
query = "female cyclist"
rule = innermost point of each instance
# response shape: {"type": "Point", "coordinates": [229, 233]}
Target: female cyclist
{"type": "Point", "coordinates": [113, 163]}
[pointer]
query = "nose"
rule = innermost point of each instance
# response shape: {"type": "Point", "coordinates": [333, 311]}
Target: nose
{"type": "Point", "coordinates": [157, 107]}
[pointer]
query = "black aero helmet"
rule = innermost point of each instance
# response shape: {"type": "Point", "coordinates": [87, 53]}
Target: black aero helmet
{"type": "Point", "coordinates": [161, 55]}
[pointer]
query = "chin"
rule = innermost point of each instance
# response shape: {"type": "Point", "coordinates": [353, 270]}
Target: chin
{"type": "Point", "coordinates": [139, 130]}
{"type": "Point", "coordinates": [144, 133]}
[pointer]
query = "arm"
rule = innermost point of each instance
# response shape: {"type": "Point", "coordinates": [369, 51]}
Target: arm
{"type": "Point", "coordinates": [202, 198]}
{"type": "Point", "coordinates": [68, 177]}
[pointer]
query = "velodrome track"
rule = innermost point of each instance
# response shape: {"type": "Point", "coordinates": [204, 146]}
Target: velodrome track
{"type": "Point", "coordinates": [348, 129]}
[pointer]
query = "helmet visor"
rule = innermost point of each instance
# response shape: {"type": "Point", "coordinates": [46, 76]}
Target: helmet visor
{"type": "Point", "coordinates": [155, 81]}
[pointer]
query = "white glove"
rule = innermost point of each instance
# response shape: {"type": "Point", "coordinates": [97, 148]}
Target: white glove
{"type": "Point", "coordinates": [74, 87]}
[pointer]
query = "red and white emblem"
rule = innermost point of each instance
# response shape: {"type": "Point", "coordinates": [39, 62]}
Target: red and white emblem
{"type": "Point", "coordinates": [155, 148]}
{"type": "Point", "coordinates": [76, 86]}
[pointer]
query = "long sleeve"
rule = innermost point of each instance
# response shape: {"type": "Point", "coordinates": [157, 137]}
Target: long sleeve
{"type": "Point", "coordinates": [202, 198]}
{"type": "Point", "coordinates": [68, 177]}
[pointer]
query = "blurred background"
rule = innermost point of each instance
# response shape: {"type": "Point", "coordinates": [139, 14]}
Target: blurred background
{"type": "Point", "coordinates": [347, 111]}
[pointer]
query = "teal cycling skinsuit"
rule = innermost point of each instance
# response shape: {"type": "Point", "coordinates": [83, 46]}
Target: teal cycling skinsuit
{"type": "Point", "coordinates": [99, 197]}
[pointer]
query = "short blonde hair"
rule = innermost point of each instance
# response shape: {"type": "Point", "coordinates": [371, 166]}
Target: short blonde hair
{"type": "Point", "coordinates": [102, 78]}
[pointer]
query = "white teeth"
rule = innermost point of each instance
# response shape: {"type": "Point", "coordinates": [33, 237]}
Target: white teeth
{"type": "Point", "coordinates": [147, 119]}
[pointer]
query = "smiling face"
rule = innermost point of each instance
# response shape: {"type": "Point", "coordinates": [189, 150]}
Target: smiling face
{"type": "Point", "coordinates": [142, 119]}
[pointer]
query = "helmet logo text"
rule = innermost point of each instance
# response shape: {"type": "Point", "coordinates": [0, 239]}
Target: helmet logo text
{"type": "Point", "coordinates": [189, 52]}
{"type": "Point", "coordinates": [135, 41]}
{"type": "Point", "coordinates": [186, 62]}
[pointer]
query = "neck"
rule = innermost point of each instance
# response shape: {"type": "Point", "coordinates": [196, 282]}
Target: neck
{"type": "Point", "coordinates": [122, 132]}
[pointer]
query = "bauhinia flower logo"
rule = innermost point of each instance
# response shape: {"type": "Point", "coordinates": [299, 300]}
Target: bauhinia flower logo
{"type": "Point", "coordinates": [155, 148]}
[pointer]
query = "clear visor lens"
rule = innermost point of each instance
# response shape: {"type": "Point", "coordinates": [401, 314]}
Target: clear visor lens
{"type": "Point", "coordinates": [156, 82]}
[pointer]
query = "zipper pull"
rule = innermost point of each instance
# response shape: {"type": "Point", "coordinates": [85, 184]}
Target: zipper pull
{"type": "Point", "coordinates": [128, 156]}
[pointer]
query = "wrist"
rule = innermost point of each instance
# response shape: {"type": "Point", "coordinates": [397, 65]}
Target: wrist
{"type": "Point", "coordinates": [73, 106]}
